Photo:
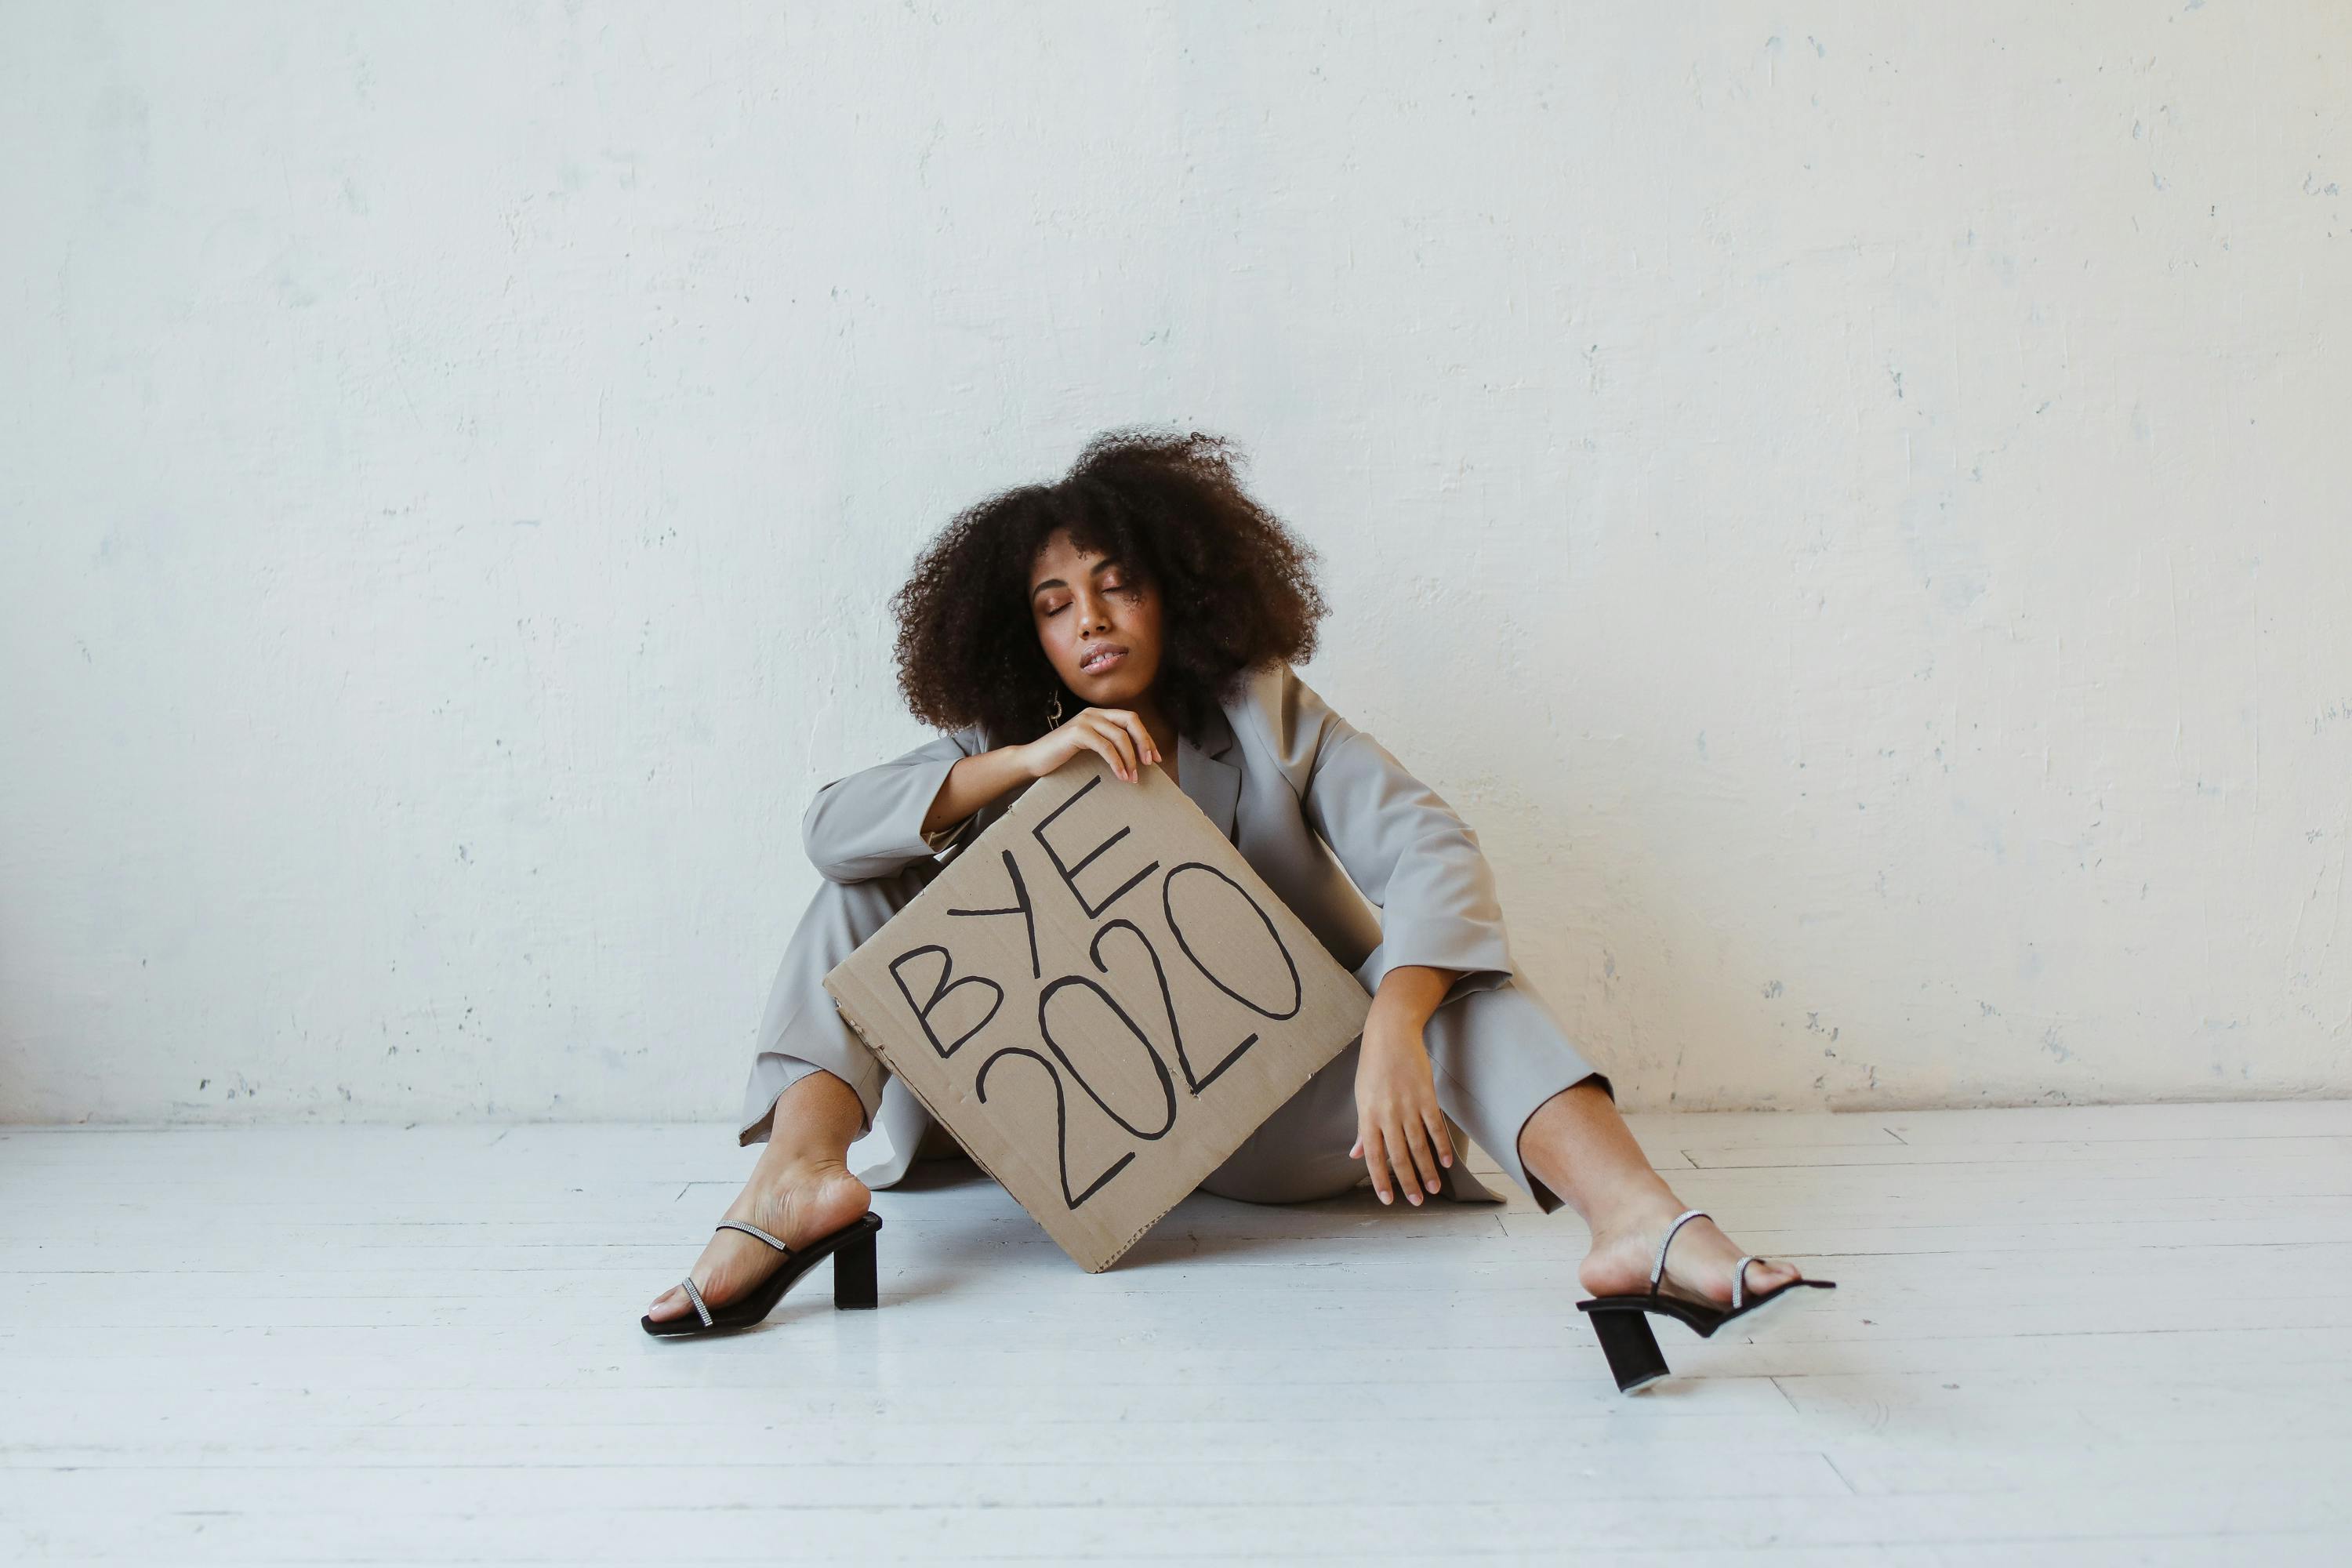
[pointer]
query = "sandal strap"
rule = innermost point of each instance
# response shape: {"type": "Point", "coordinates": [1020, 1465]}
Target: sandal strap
{"type": "Point", "coordinates": [1658, 1269]}
{"type": "Point", "coordinates": [1739, 1278]}
{"type": "Point", "coordinates": [695, 1296]}
{"type": "Point", "coordinates": [753, 1230]}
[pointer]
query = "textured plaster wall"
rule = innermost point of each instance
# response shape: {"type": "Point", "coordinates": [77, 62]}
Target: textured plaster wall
{"type": "Point", "coordinates": [1850, 500]}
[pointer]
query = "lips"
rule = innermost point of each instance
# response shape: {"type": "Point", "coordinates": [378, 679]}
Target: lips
{"type": "Point", "coordinates": [1102, 658]}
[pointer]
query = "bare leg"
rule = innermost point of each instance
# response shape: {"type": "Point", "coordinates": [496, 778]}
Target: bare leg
{"type": "Point", "coordinates": [1579, 1146]}
{"type": "Point", "coordinates": [801, 1189]}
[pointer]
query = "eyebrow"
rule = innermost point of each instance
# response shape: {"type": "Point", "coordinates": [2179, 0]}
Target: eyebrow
{"type": "Point", "coordinates": [1105, 564]}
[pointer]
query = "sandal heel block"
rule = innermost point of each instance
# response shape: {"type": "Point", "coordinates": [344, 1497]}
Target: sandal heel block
{"type": "Point", "coordinates": [851, 1248]}
{"type": "Point", "coordinates": [854, 1284]}
{"type": "Point", "coordinates": [1632, 1349]}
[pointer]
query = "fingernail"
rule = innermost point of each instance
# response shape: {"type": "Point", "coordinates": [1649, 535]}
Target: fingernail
{"type": "Point", "coordinates": [1446, 1160]}
{"type": "Point", "coordinates": [1415, 1197]}
{"type": "Point", "coordinates": [1432, 1183]}
{"type": "Point", "coordinates": [1384, 1197]}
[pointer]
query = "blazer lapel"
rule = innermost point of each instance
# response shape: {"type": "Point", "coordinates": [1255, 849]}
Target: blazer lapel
{"type": "Point", "coordinates": [1205, 773]}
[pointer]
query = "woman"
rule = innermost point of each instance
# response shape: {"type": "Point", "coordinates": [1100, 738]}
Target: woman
{"type": "Point", "coordinates": [1146, 609]}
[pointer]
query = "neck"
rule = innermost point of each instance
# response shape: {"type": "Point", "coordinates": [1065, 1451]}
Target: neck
{"type": "Point", "coordinates": [1146, 708]}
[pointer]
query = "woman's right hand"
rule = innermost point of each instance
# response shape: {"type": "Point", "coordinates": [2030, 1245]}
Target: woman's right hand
{"type": "Point", "coordinates": [1114, 732]}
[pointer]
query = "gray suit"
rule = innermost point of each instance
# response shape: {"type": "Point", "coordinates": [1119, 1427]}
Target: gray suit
{"type": "Point", "coordinates": [1282, 776]}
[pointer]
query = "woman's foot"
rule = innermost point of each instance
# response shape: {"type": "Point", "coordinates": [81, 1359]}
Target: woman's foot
{"type": "Point", "coordinates": [795, 1201]}
{"type": "Point", "coordinates": [1698, 1264]}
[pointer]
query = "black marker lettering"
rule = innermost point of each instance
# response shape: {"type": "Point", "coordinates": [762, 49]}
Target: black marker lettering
{"type": "Point", "coordinates": [1193, 1082]}
{"type": "Point", "coordinates": [1167, 1084]}
{"type": "Point", "coordinates": [1061, 1124]}
{"type": "Point", "coordinates": [1019, 906]}
{"type": "Point", "coordinates": [940, 991]}
{"type": "Point", "coordinates": [1167, 905]}
{"type": "Point", "coordinates": [1070, 873]}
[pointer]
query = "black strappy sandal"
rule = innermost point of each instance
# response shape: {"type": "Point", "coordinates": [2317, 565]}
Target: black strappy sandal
{"type": "Point", "coordinates": [851, 1248]}
{"type": "Point", "coordinates": [1626, 1338]}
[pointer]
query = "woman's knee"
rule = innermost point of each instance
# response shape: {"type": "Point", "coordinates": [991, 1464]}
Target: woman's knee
{"type": "Point", "coordinates": [846, 914]}
{"type": "Point", "coordinates": [1494, 1011]}
{"type": "Point", "coordinates": [1499, 1055]}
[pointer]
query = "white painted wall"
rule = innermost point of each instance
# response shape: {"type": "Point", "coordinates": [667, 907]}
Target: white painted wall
{"type": "Point", "coordinates": [1849, 500]}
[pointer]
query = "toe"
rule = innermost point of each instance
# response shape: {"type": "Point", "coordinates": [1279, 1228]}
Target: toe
{"type": "Point", "coordinates": [667, 1305]}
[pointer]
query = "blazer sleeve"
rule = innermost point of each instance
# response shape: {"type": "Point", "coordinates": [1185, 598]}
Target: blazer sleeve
{"type": "Point", "coordinates": [1404, 848]}
{"type": "Point", "coordinates": [870, 823]}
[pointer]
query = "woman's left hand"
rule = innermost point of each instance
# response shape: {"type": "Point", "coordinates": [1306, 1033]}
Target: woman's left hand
{"type": "Point", "coordinates": [1398, 1123]}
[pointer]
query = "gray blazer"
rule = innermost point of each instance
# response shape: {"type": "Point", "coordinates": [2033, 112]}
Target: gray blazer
{"type": "Point", "coordinates": [1282, 777]}
{"type": "Point", "coordinates": [1369, 857]}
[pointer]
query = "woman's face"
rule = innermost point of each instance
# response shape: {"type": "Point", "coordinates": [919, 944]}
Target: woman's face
{"type": "Point", "coordinates": [1086, 604]}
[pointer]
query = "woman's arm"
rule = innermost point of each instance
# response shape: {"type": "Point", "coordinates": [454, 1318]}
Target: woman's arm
{"type": "Point", "coordinates": [1405, 849]}
{"type": "Point", "coordinates": [878, 820]}
{"type": "Point", "coordinates": [1399, 1124]}
{"type": "Point", "coordinates": [1441, 930]}
{"type": "Point", "coordinates": [1411, 992]}
{"type": "Point", "coordinates": [972, 782]}
{"type": "Point", "coordinates": [872, 822]}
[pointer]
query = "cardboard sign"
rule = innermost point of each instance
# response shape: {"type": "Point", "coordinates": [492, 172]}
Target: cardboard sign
{"type": "Point", "coordinates": [1101, 1000]}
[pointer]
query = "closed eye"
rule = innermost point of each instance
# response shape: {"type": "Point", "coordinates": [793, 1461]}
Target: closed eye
{"type": "Point", "coordinates": [1131, 591]}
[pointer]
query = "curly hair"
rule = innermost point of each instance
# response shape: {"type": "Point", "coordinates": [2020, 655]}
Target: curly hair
{"type": "Point", "coordinates": [1237, 588]}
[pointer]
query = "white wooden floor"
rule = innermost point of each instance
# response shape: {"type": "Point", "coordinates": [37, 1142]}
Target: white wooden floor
{"type": "Point", "coordinates": [2060, 1336]}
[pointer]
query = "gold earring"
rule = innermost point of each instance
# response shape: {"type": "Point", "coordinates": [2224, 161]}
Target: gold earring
{"type": "Point", "coordinates": [1057, 719]}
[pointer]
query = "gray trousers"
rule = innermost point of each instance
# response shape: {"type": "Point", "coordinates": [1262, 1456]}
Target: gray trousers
{"type": "Point", "coordinates": [1496, 1056]}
